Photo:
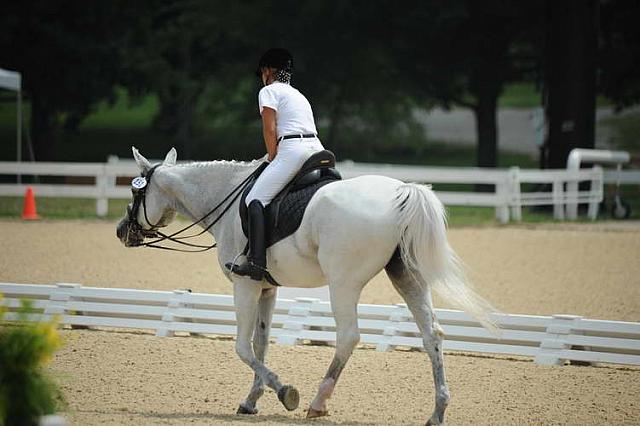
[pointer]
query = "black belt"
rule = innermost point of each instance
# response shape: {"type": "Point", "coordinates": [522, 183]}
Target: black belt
{"type": "Point", "coordinates": [299, 136]}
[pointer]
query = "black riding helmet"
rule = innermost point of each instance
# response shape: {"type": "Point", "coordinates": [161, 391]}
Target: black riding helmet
{"type": "Point", "coordinates": [277, 58]}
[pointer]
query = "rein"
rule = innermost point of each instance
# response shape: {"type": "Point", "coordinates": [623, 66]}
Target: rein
{"type": "Point", "coordinates": [139, 198]}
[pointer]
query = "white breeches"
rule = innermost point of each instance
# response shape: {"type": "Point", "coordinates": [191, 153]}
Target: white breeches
{"type": "Point", "coordinates": [292, 153]}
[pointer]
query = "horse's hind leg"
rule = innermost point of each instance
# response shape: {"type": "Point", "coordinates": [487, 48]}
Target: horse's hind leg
{"type": "Point", "coordinates": [418, 299]}
{"type": "Point", "coordinates": [344, 302]}
{"type": "Point", "coordinates": [246, 299]}
{"type": "Point", "coordinates": [260, 345]}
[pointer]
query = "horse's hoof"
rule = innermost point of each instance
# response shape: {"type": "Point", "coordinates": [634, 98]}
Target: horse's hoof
{"type": "Point", "coordinates": [289, 397]}
{"type": "Point", "coordinates": [312, 414]}
{"type": "Point", "coordinates": [244, 410]}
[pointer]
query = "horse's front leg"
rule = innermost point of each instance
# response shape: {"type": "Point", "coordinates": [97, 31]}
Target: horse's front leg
{"type": "Point", "coordinates": [246, 296]}
{"type": "Point", "coordinates": [260, 344]}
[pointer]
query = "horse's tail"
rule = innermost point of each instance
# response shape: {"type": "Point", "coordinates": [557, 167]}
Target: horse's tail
{"type": "Point", "coordinates": [427, 255]}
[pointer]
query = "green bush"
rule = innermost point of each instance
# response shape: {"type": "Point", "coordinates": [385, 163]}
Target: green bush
{"type": "Point", "coordinates": [26, 391]}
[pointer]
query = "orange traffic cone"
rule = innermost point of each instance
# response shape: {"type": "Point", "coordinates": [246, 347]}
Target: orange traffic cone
{"type": "Point", "coordinates": [29, 209]}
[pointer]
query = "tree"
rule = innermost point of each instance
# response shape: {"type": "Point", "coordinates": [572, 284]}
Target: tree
{"type": "Point", "coordinates": [344, 64]}
{"type": "Point", "coordinates": [469, 51]}
{"type": "Point", "coordinates": [619, 52]}
{"type": "Point", "coordinates": [69, 55]}
{"type": "Point", "coordinates": [570, 78]}
{"type": "Point", "coordinates": [592, 47]}
{"type": "Point", "coordinates": [187, 47]}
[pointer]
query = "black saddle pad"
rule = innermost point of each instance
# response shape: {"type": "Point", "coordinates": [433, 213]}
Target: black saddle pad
{"type": "Point", "coordinates": [283, 215]}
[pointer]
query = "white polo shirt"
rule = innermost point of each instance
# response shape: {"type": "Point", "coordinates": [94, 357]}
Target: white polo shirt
{"type": "Point", "coordinates": [293, 111]}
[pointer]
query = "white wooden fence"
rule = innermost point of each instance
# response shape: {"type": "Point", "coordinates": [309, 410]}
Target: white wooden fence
{"type": "Point", "coordinates": [548, 339]}
{"type": "Point", "coordinates": [508, 198]}
{"type": "Point", "coordinates": [103, 188]}
{"type": "Point", "coordinates": [509, 193]}
{"type": "Point", "coordinates": [560, 196]}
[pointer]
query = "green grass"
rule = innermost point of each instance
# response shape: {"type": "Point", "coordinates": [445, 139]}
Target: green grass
{"type": "Point", "coordinates": [80, 208]}
{"type": "Point", "coordinates": [124, 113]}
{"type": "Point", "coordinates": [465, 216]}
{"type": "Point", "coordinates": [625, 131]}
{"type": "Point", "coordinates": [525, 95]}
{"type": "Point", "coordinates": [459, 216]}
{"type": "Point", "coordinates": [62, 208]}
{"type": "Point", "coordinates": [520, 95]}
{"type": "Point", "coordinates": [629, 194]}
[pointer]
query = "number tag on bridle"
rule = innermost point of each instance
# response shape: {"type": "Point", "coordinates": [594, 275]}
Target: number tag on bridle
{"type": "Point", "coordinates": [139, 182]}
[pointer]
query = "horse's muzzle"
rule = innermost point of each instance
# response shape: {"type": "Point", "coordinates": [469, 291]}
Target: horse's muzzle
{"type": "Point", "coordinates": [128, 236]}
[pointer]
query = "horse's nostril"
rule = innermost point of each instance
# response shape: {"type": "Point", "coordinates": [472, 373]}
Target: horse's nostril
{"type": "Point", "coordinates": [123, 231]}
{"type": "Point", "coordinates": [120, 231]}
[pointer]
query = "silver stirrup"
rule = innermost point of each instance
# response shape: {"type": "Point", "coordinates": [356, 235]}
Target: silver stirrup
{"type": "Point", "coordinates": [228, 272]}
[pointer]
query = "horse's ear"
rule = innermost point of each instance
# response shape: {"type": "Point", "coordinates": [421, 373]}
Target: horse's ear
{"type": "Point", "coordinates": [170, 159]}
{"type": "Point", "coordinates": [143, 164]}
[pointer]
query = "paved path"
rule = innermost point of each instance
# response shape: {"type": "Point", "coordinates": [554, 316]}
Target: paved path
{"type": "Point", "coordinates": [515, 127]}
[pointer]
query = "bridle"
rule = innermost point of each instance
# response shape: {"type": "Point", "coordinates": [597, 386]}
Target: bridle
{"type": "Point", "coordinates": [139, 187]}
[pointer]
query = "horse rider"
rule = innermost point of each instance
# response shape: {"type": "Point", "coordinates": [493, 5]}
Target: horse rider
{"type": "Point", "coordinates": [290, 137]}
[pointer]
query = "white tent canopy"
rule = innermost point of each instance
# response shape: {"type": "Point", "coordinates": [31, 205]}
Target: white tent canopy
{"type": "Point", "coordinates": [12, 80]}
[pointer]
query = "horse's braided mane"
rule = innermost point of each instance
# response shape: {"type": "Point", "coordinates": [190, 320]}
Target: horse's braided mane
{"type": "Point", "coordinates": [217, 163]}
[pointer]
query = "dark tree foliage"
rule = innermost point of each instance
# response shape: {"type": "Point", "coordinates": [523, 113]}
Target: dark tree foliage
{"type": "Point", "coordinates": [363, 64]}
{"type": "Point", "coordinates": [464, 52]}
{"type": "Point", "coordinates": [570, 78]}
{"type": "Point", "coordinates": [344, 64]}
{"type": "Point", "coordinates": [619, 52]}
{"type": "Point", "coordinates": [69, 54]}
{"type": "Point", "coordinates": [184, 48]}
{"type": "Point", "coordinates": [592, 47]}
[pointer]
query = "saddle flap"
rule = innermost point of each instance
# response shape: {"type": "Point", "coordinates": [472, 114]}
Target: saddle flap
{"type": "Point", "coordinates": [307, 179]}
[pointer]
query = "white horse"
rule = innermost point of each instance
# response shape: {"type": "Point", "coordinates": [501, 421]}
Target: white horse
{"type": "Point", "coordinates": [351, 230]}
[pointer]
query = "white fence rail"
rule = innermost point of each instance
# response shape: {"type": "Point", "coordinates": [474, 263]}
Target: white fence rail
{"type": "Point", "coordinates": [564, 190]}
{"type": "Point", "coordinates": [500, 199]}
{"type": "Point", "coordinates": [507, 199]}
{"type": "Point", "coordinates": [596, 157]}
{"type": "Point", "coordinates": [103, 188]}
{"type": "Point", "coordinates": [548, 339]}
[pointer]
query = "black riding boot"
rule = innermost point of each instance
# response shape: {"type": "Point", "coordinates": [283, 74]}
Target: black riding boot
{"type": "Point", "coordinates": [256, 263]}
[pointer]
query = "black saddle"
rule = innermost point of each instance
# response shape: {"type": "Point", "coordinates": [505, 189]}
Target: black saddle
{"type": "Point", "coordinates": [284, 214]}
